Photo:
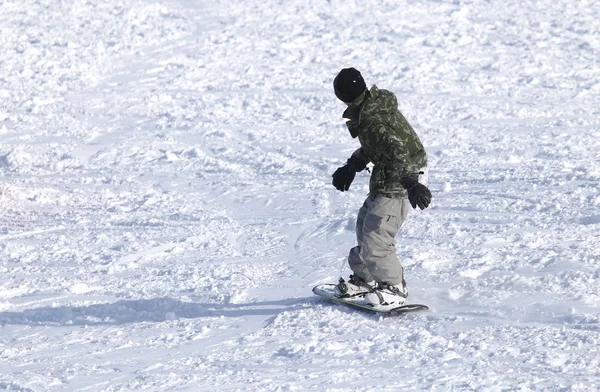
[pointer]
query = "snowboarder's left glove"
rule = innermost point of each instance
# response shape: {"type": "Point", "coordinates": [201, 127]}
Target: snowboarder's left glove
{"type": "Point", "coordinates": [418, 194]}
{"type": "Point", "coordinates": [343, 177]}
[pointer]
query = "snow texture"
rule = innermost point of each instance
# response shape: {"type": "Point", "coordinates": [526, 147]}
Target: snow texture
{"type": "Point", "coordinates": [166, 205]}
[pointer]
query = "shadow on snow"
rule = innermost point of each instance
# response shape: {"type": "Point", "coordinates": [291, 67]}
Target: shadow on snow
{"type": "Point", "coordinates": [147, 310]}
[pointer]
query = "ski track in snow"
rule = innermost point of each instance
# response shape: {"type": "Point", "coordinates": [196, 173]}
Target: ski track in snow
{"type": "Point", "coordinates": [167, 208]}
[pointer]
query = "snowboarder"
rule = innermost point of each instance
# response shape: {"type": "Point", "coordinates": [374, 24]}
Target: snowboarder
{"type": "Point", "coordinates": [400, 165]}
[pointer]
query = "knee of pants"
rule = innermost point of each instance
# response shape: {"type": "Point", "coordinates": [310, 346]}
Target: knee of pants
{"type": "Point", "coordinates": [378, 254]}
{"type": "Point", "coordinates": [378, 247]}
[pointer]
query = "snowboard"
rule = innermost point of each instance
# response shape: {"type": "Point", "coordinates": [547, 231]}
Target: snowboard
{"type": "Point", "coordinates": [326, 291]}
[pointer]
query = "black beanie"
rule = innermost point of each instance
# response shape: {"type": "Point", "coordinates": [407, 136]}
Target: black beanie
{"type": "Point", "coordinates": [349, 85]}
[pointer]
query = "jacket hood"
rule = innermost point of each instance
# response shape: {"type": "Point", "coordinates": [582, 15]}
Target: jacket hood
{"type": "Point", "coordinates": [381, 102]}
{"type": "Point", "coordinates": [376, 103]}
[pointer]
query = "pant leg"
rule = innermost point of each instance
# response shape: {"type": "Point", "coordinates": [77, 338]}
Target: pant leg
{"type": "Point", "coordinates": [381, 224]}
{"type": "Point", "coordinates": [357, 264]}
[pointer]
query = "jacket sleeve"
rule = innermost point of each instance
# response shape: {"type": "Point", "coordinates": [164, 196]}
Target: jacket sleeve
{"type": "Point", "coordinates": [394, 151]}
{"type": "Point", "coordinates": [359, 160]}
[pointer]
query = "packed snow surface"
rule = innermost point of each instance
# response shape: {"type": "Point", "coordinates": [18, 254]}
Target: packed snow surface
{"type": "Point", "coordinates": [166, 202]}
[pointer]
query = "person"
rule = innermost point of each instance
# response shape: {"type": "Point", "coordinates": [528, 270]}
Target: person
{"type": "Point", "coordinates": [400, 166]}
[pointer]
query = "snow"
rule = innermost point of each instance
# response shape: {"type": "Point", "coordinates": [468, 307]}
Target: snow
{"type": "Point", "coordinates": [166, 206]}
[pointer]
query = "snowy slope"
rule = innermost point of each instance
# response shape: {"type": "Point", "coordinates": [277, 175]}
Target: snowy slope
{"type": "Point", "coordinates": [166, 206]}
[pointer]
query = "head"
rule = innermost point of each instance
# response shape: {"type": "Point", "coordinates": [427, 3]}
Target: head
{"type": "Point", "coordinates": [349, 85]}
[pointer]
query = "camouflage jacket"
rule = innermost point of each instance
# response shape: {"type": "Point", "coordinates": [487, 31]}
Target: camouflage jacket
{"type": "Point", "coordinates": [387, 140]}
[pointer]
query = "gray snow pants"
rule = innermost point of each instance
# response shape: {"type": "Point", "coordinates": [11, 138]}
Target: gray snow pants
{"type": "Point", "coordinates": [378, 222]}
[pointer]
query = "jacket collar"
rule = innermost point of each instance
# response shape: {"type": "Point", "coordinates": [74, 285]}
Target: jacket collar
{"type": "Point", "coordinates": [352, 113]}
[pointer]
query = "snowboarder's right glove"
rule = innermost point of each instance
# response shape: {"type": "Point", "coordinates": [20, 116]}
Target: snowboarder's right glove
{"type": "Point", "coordinates": [343, 177]}
{"type": "Point", "coordinates": [418, 194]}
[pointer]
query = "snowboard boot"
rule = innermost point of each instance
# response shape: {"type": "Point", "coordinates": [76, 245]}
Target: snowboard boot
{"type": "Point", "coordinates": [354, 287]}
{"type": "Point", "coordinates": [386, 295]}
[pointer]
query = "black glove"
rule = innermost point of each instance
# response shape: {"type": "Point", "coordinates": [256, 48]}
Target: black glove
{"type": "Point", "coordinates": [343, 177]}
{"type": "Point", "coordinates": [418, 194]}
